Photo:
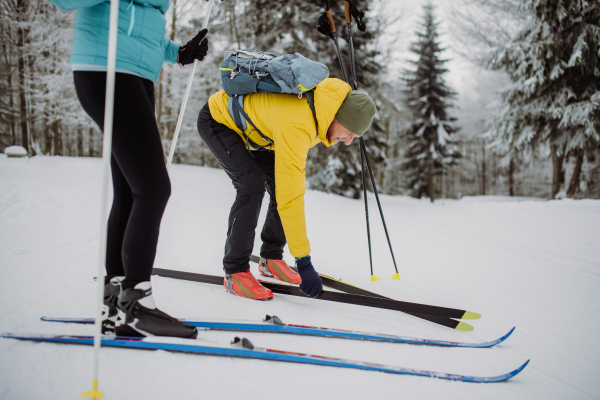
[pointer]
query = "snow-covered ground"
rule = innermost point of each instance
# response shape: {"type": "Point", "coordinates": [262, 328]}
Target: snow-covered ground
{"type": "Point", "coordinates": [519, 262]}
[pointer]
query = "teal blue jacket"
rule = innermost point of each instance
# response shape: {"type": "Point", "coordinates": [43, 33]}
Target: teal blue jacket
{"type": "Point", "coordinates": [141, 44]}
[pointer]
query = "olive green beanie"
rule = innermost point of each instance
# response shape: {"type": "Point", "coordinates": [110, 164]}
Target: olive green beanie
{"type": "Point", "coordinates": [356, 113]}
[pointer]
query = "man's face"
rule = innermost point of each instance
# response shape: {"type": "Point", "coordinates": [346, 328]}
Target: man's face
{"type": "Point", "coordinates": [337, 133]}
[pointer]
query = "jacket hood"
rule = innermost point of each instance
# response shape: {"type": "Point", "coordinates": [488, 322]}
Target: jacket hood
{"type": "Point", "coordinates": [329, 96]}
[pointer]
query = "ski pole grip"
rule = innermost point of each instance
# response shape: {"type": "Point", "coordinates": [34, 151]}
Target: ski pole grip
{"type": "Point", "coordinates": [347, 8]}
{"type": "Point", "coordinates": [330, 18]}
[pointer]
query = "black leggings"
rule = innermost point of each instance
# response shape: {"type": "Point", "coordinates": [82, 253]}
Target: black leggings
{"type": "Point", "coordinates": [250, 177]}
{"type": "Point", "coordinates": [140, 180]}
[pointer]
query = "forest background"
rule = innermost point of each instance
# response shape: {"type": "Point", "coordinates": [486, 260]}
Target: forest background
{"type": "Point", "coordinates": [475, 97]}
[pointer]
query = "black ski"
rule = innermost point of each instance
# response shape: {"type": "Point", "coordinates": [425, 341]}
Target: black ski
{"type": "Point", "coordinates": [439, 315]}
{"type": "Point", "coordinates": [348, 288]}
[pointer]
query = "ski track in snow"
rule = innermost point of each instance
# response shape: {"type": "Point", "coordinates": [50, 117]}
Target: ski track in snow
{"type": "Point", "coordinates": [519, 262]}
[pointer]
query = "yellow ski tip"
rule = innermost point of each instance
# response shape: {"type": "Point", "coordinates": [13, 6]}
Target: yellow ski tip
{"type": "Point", "coordinates": [396, 276]}
{"type": "Point", "coordinates": [464, 327]}
{"type": "Point", "coordinates": [471, 315]}
{"type": "Point", "coordinates": [375, 278]}
{"type": "Point", "coordinates": [94, 393]}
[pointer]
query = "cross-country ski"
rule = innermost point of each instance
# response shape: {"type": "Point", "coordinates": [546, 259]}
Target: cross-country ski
{"type": "Point", "coordinates": [273, 324]}
{"type": "Point", "coordinates": [245, 349]}
{"type": "Point", "coordinates": [440, 315]}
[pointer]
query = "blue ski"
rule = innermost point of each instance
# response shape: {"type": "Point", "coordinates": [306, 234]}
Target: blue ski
{"type": "Point", "coordinates": [274, 325]}
{"type": "Point", "coordinates": [242, 348]}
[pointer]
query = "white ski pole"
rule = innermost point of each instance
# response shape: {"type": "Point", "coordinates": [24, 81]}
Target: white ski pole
{"type": "Point", "coordinates": [106, 154]}
{"type": "Point", "coordinates": [187, 94]}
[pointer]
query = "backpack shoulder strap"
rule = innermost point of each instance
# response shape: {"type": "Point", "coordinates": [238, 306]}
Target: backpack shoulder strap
{"type": "Point", "coordinates": [238, 110]}
{"type": "Point", "coordinates": [240, 122]}
{"type": "Point", "coordinates": [310, 97]}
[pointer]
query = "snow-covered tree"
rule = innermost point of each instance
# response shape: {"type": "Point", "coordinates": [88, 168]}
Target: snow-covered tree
{"type": "Point", "coordinates": [554, 64]}
{"type": "Point", "coordinates": [431, 143]}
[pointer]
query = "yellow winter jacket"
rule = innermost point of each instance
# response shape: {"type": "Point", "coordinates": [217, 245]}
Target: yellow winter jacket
{"type": "Point", "coordinates": [288, 121]}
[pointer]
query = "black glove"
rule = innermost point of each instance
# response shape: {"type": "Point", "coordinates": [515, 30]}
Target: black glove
{"type": "Point", "coordinates": [311, 281]}
{"type": "Point", "coordinates": [194, 49]}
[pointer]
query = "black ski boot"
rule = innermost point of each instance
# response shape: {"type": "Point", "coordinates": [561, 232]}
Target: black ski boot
{"type": "Point", "coordinates": [139, 317]}
{"type": "Point", "coordinates": [109, 310]}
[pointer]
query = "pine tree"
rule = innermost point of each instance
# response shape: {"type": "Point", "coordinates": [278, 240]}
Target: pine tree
{"type": "Point", "coordinates": [554, 63]}
{"type": "Point", "coordinates": [431, 143]}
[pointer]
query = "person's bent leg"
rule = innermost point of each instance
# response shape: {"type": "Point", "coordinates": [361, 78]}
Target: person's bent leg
{"type": "Point", "coordinates": [248, 181]}
{"type": "Point", "coordinates": [271, 262]}
{"type": "Point", "coordinates": [230, 151]}
{"type": "Point", "coordinates": [273, 235]}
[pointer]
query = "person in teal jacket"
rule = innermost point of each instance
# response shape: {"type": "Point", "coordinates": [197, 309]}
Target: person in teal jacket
{"type": "Point", "coordinates": [141, 183]}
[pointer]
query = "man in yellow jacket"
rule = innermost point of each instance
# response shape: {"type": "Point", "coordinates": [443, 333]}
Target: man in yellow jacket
{"type": "Point", "coordinates": [288, 122]}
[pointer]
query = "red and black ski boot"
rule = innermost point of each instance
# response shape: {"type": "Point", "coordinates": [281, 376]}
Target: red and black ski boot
{"type": "Point", "coordinates": [244, 284]}
{"type": "Point", "coordinates": [278, 269]}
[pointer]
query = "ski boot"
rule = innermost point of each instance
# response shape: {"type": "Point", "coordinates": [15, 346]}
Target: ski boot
{"type": "Point", "coordinates": [109, 309]}
{"type": "Point", "coordinates": [244, 284]}
{"type": "Point", "coordinates": [278, 269]}
{"type": "Point", "coordinates": [139, 317]}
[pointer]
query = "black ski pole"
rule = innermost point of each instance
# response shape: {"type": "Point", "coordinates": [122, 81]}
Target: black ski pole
{"type": "Point", "coordinates": [327, 28]}
{"type": "Point", "coordinates": [364, 184]}
{"type": "Point", "coordinates": [352, 11]}
{"type": "Point", "coordinates": [397, 274]}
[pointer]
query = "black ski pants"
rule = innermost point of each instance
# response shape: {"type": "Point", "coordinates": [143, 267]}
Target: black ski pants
{"type": "Point", "coordinates": [140, 180]}
{"type": "Point", "coordinates": [250, 176]}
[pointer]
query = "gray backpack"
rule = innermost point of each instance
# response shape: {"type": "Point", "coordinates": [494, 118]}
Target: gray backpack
{"type": "Point", "coordinates": [253, 71]}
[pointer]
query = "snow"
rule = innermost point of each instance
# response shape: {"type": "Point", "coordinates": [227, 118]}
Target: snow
{"type": "Point", "coordinates": [15, 151]}
{"type": "Point", "coordinates": [519, 262]}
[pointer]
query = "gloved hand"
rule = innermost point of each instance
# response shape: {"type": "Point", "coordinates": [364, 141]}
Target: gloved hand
{"type": "Point", "coordinates": [194, 49]}
{"type": "Point", "coordinates": [311, 281]}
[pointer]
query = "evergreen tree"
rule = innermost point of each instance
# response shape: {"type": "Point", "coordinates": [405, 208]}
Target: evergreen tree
{"type": "Point", "coordinates": [431, 143]}
{"type": "Point", "coordinates": [554, 63]}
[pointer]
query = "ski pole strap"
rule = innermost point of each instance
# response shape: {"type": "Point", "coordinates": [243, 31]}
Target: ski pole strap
{"type": "Point", "coordinates": [358, 15]}
{"type": "Point", "coordinates": [310, 97]}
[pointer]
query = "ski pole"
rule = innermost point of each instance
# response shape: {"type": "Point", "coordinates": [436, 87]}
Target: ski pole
{"type": "Point", "coordinates": [347, 8]}
{"type": "Point", "coordinates": [397, 274]}
{"type": "Point", "coordinates": [187, 93]}
{"type": "Point", "coordinates": [109, 102]}
{"type": "Point", "coordinates": [352, 11]}
{"type": "Point", "coordinates": [327, 27]}
{"type": "Point", "coordinates": [364, 184]}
